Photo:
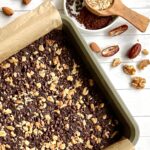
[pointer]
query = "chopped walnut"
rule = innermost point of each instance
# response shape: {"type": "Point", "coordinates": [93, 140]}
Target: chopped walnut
{"type": "Point", "coordinates": [98, 128]}
{"type": "Point", "coordinates": [88, 145]}
{"type": "Point", "coordinates": [7, 111]}
{"type": "Point", "coordinates": [85, 91]}
{"type": "Point", "coordinates": [129, 69]}
{"type": "Point", "coordinates": [24, 58]}
{"type": "Point", "coordinates": [38, 85]}
{"type": "Point", "coordinates": [2, 133]}
{"type": "Point", "coordinates": [92, 107]}
{"type": "Point", "coordinates": [2, 147]}
{"type": "Point", "coordinates": [42, 73]}
{"type": "Point", "coordinates": [145, 52]}
{"type": "Point", "coordinates": [41, 48]}
{"type": "Point", "coordinates": [30, 74]}
{"type": "Point", "coordinates": [138, 82]}
{"type": "Point", "coordinates": [94, 120]}
{"type": "Point", "coordinates": [144, 63]}
{"type": "Point", "coordinates": [13, 60]}
{"type": "Point", "coordinates": [11, 128]}
{"type": "Point", "coordinates": [70, 78]}
{"type": "Point", "coordinates": [5, 66]}
{"type": "Point", "coordinates": [62, 146]}
{"type": "Point", "coordinates": [116, 62]}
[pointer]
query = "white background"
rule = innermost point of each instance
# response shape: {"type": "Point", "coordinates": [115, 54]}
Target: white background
{"type": "Point", "coordinates": [138, 101]}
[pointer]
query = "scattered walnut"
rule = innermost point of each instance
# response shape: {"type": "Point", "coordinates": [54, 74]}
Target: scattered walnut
{"type": "Point", "coordinates": [89, 116]}
{"type": "Point", "coordinates": [7, 111]}
{"type": "Point", "coordinates": [38, 85]}
{"type": "Point", "coordinates": [50, 99]}
{"type": "Point", "coordinates": [48, 118]}
{"type": "Point", "coordinates": [129, 69]}
{"type": "Point", "coordinates": [2, 147]}
{"type": "Point", "coordinates": [98, 128]}
{"type": "Point", "coordinates": [62, 146]}
{"type": "Point", "coordinates": [116, 62]}
{"type": "Point", "coordinates": [94, 120]}
{"type": "Point", "coordinates": [2, 133]}
{"type": "Point", "coordinates": [5, 66]}
{"type": "Point", "coordinates": [144, 63]}
{"type": "Point", "coordinates": [11, 128]}
{"type": "Point", "coordinates": [92, 107]}
{"type": "Point", "coordinates": [138, 82]}
{"type": "Point", "coordinates": [85, 91]}
{"type": "Point", "coordinates": [41, 48]}
{"type": "Point", "coordinates": [88, 145]}
{"type": "Point", "coordinates": [42, 73]}
{"type": "Point", "coordinates": [24, 58]}
{"type": "Point", "coordinates": [13, 60]}
{"type": "Point", "coordinates": [67, 126]}
{"type": "Point", "coordinates": [105, 117]}
{"type": "Point", "coordinates": [26, 142]}
{"type": "Point", "coordinates": [70, 78]}
{"type": "Point", "coordinates": [30, 74]}
{"type": "Point", "coordinates": [102, 105]}
{"type": "Point", "coordinates": [145, 52]}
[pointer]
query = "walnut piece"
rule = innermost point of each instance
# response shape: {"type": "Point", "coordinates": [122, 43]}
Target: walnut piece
{"type": "Point", "coordinates": [138, 82]}
{"type": "Point", "coordinates": [2, 133]}
{"type": "Point", "coordinates": [145, 52]}
{"type": "Point", "coordinates": [144, 63]}
{"type": "Point", "coordinates": [116, 62]}
{"type": "Point", "coordinates": [129, 69]}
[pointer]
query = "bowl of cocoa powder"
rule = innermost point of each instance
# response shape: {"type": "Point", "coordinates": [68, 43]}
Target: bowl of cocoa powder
{"type": "Point", "coordinates": [84, 19]}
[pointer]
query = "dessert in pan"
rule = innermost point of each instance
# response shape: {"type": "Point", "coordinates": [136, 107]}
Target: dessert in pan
{"type": "Point", "coordinates": [48, 100]}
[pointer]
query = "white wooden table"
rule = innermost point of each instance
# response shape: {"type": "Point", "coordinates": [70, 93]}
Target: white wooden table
{"type": "Point", "coordinates": [137, 101]}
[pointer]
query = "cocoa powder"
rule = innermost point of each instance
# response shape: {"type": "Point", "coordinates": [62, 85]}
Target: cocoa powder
{"type": "Point", "coordinates": [90, 21]}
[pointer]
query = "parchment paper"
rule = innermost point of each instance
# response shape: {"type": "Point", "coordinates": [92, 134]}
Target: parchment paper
{"type": "Point", "coordinates": [124, 144]}
{"type": "Point", "coordinates": [28, 28]}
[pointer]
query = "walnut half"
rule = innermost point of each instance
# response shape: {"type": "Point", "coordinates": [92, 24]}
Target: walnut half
{"type": "Point", "coordinates": [129, 69]}
{"type": "Point", "coordinates": [138, 82]}
{"type": "Point", "coordinates": [144, 63]}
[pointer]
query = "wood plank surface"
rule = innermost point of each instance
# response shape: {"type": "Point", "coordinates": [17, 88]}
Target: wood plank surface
{"type": "Point", "coordinates": [137, 101]}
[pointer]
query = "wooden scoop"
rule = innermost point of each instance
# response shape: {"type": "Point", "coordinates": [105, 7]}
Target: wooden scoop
{"type": "Point", "coordinates": [118, 8]}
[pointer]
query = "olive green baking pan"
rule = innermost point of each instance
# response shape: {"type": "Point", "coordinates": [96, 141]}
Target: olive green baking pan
{"type": "Point", "coordinates": [129, 127]}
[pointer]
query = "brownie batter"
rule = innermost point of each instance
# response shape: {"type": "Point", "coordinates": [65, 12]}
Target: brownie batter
{"type": "Point", "coordinates": [48, 100]}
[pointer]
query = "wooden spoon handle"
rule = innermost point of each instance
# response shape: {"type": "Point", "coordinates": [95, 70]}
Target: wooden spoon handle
{"type": "Point", "coordinates": [139, 21]}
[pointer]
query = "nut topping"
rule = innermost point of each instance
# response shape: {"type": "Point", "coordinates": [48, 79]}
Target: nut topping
{"type": "Point", "coordinates": [2, 133]}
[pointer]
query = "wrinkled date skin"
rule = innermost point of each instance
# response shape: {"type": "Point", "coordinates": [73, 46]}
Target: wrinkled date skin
{"type": "Point", "coordinates": [134, 51]}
